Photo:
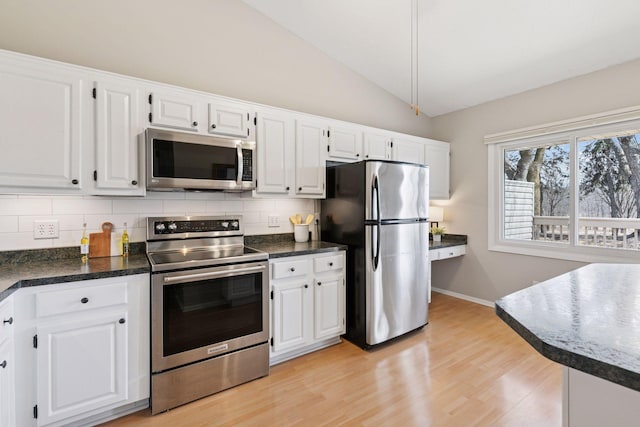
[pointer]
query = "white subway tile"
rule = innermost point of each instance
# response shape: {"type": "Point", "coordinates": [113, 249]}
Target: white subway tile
{"type": "Point", "coordinates": [184, 207]}
{"type": "Point", "coordinates": [218, 207]}
{"type": "Point", "coordinates": [165, 195]}
{"type": "Point", "coordinates": [39, 206]}
{"type": "Point", "coordinates": [9, 224]}
{"type": "Point", "coordinates": [85, 206]}
{"type": "Point", "coordinates": [19, 241]}
{"type": "Point", "coordinates": [139, 206]}
{"type": "Point", "coordinates": [65, 222]}
{"type": "Point", "coordinates": [204, 195]}
{"type": "Point", "coordinates": [94, 222]}
{"type": "Point", "coordinates": [259, 205]}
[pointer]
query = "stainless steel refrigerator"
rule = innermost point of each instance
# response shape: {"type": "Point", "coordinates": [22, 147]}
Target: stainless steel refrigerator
{"type": "Point", "coordinates": [380, 210]}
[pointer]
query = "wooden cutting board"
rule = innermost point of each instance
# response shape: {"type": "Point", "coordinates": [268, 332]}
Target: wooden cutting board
{"type": "Point", "coordinates": [100, 243]}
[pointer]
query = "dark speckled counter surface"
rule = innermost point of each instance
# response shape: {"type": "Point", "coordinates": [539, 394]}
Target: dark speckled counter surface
{"type": "Point", "coordinates": [291, 248]}
{"type": "Point", "coordinates": [587, 319]}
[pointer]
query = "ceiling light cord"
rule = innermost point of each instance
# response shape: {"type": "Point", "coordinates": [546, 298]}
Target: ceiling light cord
{"type": "Point", "coordinates": [415, 105]}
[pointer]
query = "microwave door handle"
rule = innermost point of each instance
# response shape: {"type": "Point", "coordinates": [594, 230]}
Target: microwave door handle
{"type": "Point", "coordinates": [240, 165]}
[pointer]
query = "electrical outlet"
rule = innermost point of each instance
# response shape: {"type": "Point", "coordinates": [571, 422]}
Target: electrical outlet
{"type": "Point", "coordinates": [273, 220]}
{"type": "Point", "coordinates": [46, 229]}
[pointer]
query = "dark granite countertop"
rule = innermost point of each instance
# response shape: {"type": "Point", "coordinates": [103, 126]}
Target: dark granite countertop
{"type": "Point", "coordinates": [14, 276]}
{"type": "Point", "coordinates": [292, 248]}
{"type": "Point", "coordinates": [587, 319]}
{"type": "Point", "coordinates": [447, 241]}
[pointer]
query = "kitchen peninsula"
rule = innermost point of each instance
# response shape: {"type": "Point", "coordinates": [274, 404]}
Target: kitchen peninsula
{"type": "Point", "coordinates": [587, 320]}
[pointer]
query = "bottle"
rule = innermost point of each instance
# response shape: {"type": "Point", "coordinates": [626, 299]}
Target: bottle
{"type": "Point", "coordinates": [125, 241]}
{"type": "Point", "coordinates": [84, 243]}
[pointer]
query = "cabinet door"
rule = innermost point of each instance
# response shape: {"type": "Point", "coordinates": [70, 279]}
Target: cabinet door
{"type": "Point", "coordinates": [292, 314]}
{"type": "Point", "coordinates": [175, 110]}
{"type": "Point", "coordinates": [226, 119]}
{"type": "Point", "coordinates": [376, 146]}
{"type": "Point", "coordinates": [437, 158]}
{"type": "Point", "coordinates": [310, 168]}
{"type": "Point", "coordinates": [329, 303]}
{"type": "Point", "coordinates": [275, 148]}
{"type": "Point", "coordinates": [345, 143]}
{"type": "Point", "coordinates": [81, 365]}
{"type": "Point", "coordinates": [404, 150]}
{"type": "Point", "coordinates": [7, 389]}
{"type": "Point", "coordinates": [42, 120]}
{"type": "Point", "coordinates": [118, 127]}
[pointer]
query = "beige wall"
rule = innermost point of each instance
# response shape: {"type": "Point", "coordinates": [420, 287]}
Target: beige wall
{"type": "Point", "coordinates": [219, 46]}
{"type": "Point", "coordinates": [490, 275]}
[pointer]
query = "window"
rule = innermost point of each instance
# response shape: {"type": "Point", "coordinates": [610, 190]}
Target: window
{"type": "Point", "coordinates": [569, 190]}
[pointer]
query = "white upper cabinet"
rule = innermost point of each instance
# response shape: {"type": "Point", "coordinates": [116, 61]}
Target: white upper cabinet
{"type": "Point", "coordinates": [119, 127]}
{"type": "Point", "coordinates": [345, 142]}
{"type": "Point", "coordinates": [175, 110]}
{"type": "Point", "coordinates": [311, 140]}
{"type": "Point", "coordinates": [437, 156]}
{"type": "Point", "coordinates": [275, 146]}
{"type": "Point", "coordinates": [42, 123]}
{"type": "Point", "coordinates": [229, 119]}
{"type": "Point", "coordinates": [376, 146]}
{"type": "Point", "coordinates": [407, 150]}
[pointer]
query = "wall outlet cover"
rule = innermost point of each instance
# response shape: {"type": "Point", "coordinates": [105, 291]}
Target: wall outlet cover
{"type": "Point", "coordinates": [46, 229]}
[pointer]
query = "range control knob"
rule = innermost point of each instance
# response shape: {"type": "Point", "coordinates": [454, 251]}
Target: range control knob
{"type": "Point", "coordinates": [224, 224]}
{"type": "Point", "coordinates": [234, 224]}
{"type": "Point", "coordinates": [160, 226]}
{"type": "Point", "coordinates": [173, 226]}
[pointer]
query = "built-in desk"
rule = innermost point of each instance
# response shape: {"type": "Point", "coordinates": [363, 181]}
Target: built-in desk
{"type": "Point", "coordinates": [451, 246]}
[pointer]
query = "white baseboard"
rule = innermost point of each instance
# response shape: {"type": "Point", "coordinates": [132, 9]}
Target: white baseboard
{"type": "Point", "coordinates": [464, 297]}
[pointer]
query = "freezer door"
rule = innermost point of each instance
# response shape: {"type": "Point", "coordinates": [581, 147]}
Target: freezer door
{"type": "Point", "coordinates": [397, 276]}
{"type": "Point", "coordinates": [396, 191]}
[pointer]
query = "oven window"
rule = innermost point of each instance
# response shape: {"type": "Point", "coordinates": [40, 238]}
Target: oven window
{"type": "Point", "coordinates": [203, 313]}
{"type": "Point", "coordinates": [195, 161]}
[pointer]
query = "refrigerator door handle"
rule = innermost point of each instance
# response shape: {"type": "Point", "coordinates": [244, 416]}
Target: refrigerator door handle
{"type": "Point", "coordinates": [375, 199]}
{"type": "Point", "coordinates": [375, 247]}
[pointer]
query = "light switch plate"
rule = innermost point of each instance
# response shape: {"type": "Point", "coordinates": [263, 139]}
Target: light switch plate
{"type": "Point", "coordinates": [273, 221]}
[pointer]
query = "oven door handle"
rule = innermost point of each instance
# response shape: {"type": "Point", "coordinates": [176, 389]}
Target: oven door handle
{"type": "Point", "coordinates": [212, 274]}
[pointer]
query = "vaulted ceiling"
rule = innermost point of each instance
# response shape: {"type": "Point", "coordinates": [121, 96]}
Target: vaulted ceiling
{"type": "Point", "coordinates": [470, 51]}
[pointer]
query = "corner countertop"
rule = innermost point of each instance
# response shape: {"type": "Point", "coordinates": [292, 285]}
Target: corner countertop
{"type": "Point", "coordinates": [448, 240]}
{"type": "Point", "coordinates": [587, 319]}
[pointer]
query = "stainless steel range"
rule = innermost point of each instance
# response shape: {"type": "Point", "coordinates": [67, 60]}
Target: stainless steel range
{"type": "Point", "coordinates": [209, 308]}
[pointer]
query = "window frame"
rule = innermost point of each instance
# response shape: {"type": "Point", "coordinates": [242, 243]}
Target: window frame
{"type": "Point", "coordinates": [569, 131]}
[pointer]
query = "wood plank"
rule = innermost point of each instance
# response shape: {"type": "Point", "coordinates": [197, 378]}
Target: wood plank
{"type": "Point", "coordinates": [466, 368]}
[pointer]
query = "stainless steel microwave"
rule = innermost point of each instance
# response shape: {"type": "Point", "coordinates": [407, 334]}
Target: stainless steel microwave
{"type": "Point", "coordinates": [184, 161]}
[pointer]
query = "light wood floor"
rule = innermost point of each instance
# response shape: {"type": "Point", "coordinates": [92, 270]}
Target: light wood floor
{"type": "Point", "coordinates": [466, 368]}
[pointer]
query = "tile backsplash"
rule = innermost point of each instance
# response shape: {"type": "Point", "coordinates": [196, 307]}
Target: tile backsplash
{"type": "Point", "coordinates": [18, 213]}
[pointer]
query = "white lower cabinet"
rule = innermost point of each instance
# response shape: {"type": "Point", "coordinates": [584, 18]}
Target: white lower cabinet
{"type": "Point", "coordinates": [83, 351]}
{"type": "Point", "coordinates": [7, 365]}
{"type": "Point", "coordinates": [307, 303]}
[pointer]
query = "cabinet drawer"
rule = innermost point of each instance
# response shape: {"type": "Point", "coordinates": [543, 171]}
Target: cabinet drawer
{"type": "Point", "coordinates": [328, 263]}
{"type": "Point", "coordinates": [445, 253]}
{"type": "Point", "coordinates": [294, 268]}
{"type": "Point", "coordinates": [6, 317]}
{"type": "Point", "coordinates": [79, 299]}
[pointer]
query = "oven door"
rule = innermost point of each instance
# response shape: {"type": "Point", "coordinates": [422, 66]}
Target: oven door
{"type": "Point", "coordinates": [201, 313]}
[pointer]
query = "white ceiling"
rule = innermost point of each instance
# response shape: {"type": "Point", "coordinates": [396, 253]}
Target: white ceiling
{"type": "Point", "coordinates": [470, 51]}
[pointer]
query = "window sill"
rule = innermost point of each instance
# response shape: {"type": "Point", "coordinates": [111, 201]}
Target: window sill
{"type": "Point", "coordinates": [579, 254]}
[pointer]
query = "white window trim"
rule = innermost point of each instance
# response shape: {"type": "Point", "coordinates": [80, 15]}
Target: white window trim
{"type": "Point", "coordinates": [567, 130]}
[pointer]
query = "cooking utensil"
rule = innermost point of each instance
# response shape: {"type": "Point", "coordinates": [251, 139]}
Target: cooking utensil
{"type": "Point", "coordinates": [308, 219]}
{"type": "Point", "coordinates": [100, 243]}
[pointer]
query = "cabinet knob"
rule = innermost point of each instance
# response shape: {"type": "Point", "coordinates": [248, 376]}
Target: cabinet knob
{"type": "Point", "coordinates": [319, 283]}
{"type": "Point", "coordinates": [3, 364]}
{"type": "Point", "coordinates": [288, 188]}
{"type": "Point", "coordinates": [121, 321]}
{"type": "Point", "coordinates": [213, 126]}
{"type": "Point", "coordinates": [84, 300]}
{"type": "Point", "coordinates": [194, 124]}
{"type": "Point", "coordinates": [134, 182]}
{"type": "Point", "coordinates": [75, 181]}
{"type": "Point", "coordinates": [306, 286]}
{"type": "Point", "coordinates": [9, 321]}
{"type": "Point", "coordinates": [366, 156]}
{"type": "Point", "coordinates": [358, 155]}
{"type": "Point", "coordinates": [330, 264]}
{"type": "Point", "coordinates": [292, 269]}
{"type": "Point", "coordinates": [299, 188]}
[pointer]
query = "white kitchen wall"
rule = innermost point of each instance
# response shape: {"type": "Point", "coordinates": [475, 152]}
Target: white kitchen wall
{"type": "Point", "coordinates": [18, 213]}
